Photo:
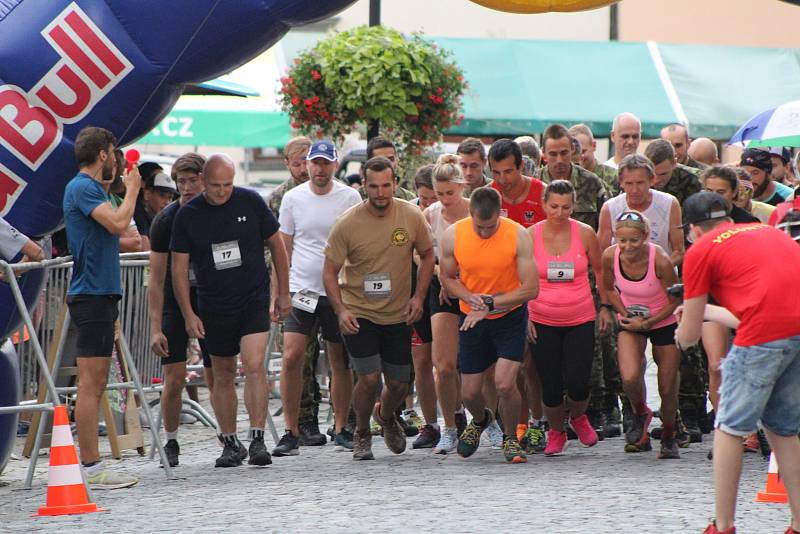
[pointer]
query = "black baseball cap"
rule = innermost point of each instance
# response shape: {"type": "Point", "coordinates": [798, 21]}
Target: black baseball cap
{"type": "Point", "coordinates": [782, 152]}
{"type": "Point", "coordinates": [704, 206]}
{"type": "Point", "coordinates": [754, 157]}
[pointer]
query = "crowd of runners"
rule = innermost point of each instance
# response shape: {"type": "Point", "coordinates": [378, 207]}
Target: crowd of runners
{"type": "Point", "coordinates": [519, 285]}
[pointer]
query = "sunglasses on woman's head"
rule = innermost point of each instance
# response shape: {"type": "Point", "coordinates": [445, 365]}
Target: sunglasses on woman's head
{"type": "Point", "coordinates": [630, 216]}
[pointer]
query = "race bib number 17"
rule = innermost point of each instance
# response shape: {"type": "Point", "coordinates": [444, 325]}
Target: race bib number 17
{"type": "Point", "coordinates": [226, 255]}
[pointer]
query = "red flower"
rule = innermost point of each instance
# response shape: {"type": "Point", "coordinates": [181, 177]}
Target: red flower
{"type": "Point", "coordinates": [439, 90]}
{"type": "Point", "coordinates": [315, 99]}
{"type": "Point", "coordinates": [315, 75]}
{"type": "Point", "coordinates": [308, 102]}
{"type": "Point", "coordinates": [295, 100]}
{"type": "Point", "coordinates": [295, 125]}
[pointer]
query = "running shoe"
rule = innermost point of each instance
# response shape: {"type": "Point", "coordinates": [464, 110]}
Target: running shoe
{"type": "Point", "coordinates": [110, 480]}
{"type": "Point", "coordinates": [534, 440]}
{"type": "Point", "coordinates": [611, 428]}
{"type": "Point", "coordinates": [343, 441]}
{"type": "Point", "coordinates": [241, 450]}
{"type": "Point", "coordinates": [289, 445]}
{"type": "Point", "coordinates": [512, 451]}
{"type": "Point", "coordinates": [393, 434]}
{"type": "Point", "coordinates": [447, 441]}
{"type": "Point", "coordinates": [362, 446]}
{"type": "Point", "coordinates": [258, 453]}
{"type": "Point", "coordinates": [521, 429]}
{"type": "Point", "coordinates": [639, 425]}
{"type": "Point", "coordinates": [583, 428]}
{"type": "Point", "coordinates": [751, 443]}
{"type": "Point", "coordinates": [669, 450]}
{"type": "Point", "coordinates": [409, 430]}
{"type": "Point", "coordinates": [461, 422]}
{"type": "Point", "coordinates": [413, 419]}
{"type": "Point", "coordinates": [712, 529]}
{"type": "Point", "coordinates": [310, 436]}
{"type": "Point", "coordinates": [172, 451]}
{"type": "Point", "coordinates": [557, 443]}
{"type": "Point", "coordinates": [374, 428]}
{"type": "Point", "coordinates": [495, 435]}
{"type": "Point", "coordinates": [470, 439]}
{"type": "Point", "coordinates": [427, 439]}
{"type": "Point", "coordinates": [643, 445]}
{"type": "Point", "coordinates": [230, 457]}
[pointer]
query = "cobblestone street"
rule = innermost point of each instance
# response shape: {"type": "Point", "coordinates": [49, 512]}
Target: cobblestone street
{"type": "Point", "coordinates": [601, 489]}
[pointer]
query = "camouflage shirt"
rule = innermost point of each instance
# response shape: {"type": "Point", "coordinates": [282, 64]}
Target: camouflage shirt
{"type": "Point", "coordinates": [683, 183]}
{"type": "Point", "coordinates": [276, 197]}
{"type": "Point", "coordinates": [693, 163]}
{"type": "Point", "coordinates": [608, 175]}
{"type": "Point", "coordinates": [590, 194]}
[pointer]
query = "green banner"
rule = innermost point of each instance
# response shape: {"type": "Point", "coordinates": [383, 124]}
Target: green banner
{"type": "Point", "coordinates": [230, 128]}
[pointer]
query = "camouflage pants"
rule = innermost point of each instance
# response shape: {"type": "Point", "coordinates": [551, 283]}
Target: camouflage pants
{"type": "Point", "coordinates": [606, 385]}
{"type": "Point", "coordinates": [311, 396]}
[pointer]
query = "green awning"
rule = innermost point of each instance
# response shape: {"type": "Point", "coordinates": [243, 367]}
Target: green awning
{"type": "Point", "coordinates": [221, 121]}
{"type": "Point", "coordinates": [521, 86]}
{"type": "Point", "coordinates": [720, 87]}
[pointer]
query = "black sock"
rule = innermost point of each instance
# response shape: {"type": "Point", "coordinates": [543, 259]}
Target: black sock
{"type": "Point", "coordinates": [90, 464]}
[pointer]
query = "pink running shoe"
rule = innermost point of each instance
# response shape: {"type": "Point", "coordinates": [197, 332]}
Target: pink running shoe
{"type": "Point", "coordinates": [556, 443]}
{"type": "Point", "coordinates": [583, 428]}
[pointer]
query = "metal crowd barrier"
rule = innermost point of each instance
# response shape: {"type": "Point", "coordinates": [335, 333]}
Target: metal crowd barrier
{"type": "Point", "coordinates": [133, 317]}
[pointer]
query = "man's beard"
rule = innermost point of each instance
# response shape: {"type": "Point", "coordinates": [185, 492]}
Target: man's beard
{"type": "Point", "coordinates": [761, 189]}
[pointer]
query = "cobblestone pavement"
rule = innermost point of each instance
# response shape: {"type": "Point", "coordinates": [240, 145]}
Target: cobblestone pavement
{"type": "Point", "coordinates": [598, 490]}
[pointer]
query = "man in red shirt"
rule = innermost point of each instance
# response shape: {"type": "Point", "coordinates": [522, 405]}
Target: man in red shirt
{"type": "Point", "coordinates": [750, 269]}
{"type": "Point", "coordinates": [522, 195]}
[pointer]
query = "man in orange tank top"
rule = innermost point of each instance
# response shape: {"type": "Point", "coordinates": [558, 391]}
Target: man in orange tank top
{"type": "Point", "coordinates": [487, 263]}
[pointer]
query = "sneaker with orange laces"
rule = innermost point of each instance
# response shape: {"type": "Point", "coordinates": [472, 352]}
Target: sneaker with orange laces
{"type": "Point", "coordinates": [521, 429]}
{"type": "Point", "coordinates": [712, 529]}
{"type": "Point", "coordinates": [556, 443]}
{"type": "Point", "coordinates": [751, 443]}
{"type": "Point", "coordinates": [583, 428]}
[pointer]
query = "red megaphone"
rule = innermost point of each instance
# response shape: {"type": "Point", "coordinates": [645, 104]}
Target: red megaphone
{"type": "Point", "coordinates": [132, 156]}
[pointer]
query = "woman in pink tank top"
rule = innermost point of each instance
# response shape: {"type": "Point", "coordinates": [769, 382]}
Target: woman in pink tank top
{"type": "Point", "coordinates": [636, 275]}
{"type": "Point", "coordinates": [562, 318]}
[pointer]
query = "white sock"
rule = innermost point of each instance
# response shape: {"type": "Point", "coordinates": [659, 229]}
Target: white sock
{"type": "Point", "coordinates": [171, 435]}
{"type": "Point", "coordinates": [92, 470]}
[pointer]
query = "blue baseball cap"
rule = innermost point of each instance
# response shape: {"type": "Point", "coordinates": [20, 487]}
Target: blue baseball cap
{"type": "Point", "coordinates": [323, 149]}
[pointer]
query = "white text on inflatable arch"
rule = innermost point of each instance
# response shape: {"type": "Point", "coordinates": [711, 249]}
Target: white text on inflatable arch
{"type": "Point", "coordinates": [32, 122]}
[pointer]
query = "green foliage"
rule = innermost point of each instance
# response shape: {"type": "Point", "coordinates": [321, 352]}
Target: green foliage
{"type": "Point", "coordinates": [410, 85]}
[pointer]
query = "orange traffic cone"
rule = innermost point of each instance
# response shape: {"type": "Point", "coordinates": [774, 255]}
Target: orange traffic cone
{"type": "Point", "coordinates": [775, 491]}
{"type": "Point", "coordinates": [66, 492]}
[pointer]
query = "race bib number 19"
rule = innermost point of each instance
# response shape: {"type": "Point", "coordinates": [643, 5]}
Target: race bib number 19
{"type": "Point", "coordinates": [378, 285]}
{"type": "Point", "coordinates": [226, 255]}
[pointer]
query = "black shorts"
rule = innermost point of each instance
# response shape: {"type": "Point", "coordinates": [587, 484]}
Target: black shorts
{"type": "Point", "coordinates": [303, 322]}
{"type": "Point", "coordinates": [433, 300]}
{"type": "Point", "coordinates": [660, 337]}
{"type": "Point", "coordinates": [423, 326]}
{"type": "Point", "coordinates": [379, 347]}
{"type": "Point", "coordinates": [480, 346]}
{"type": "Point", "coordinates": [224, 331]}
{"type": "Point", "coordinates": [94, 317]}
{"type": "Point", "coordinates": [174, 328]}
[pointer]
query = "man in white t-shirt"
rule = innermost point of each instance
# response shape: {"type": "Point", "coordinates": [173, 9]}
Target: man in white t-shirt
{"type": "Point", "coordinates": [307, 214]}
{"type": "Point", "coordinates": [661, 209]}
{"type": "Point", "coordinates": [626, 133]}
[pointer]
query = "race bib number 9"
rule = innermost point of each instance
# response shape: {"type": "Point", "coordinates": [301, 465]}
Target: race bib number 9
{"type": "Point", "coordinates": [305, 300]}
{"type": "Point", "coordinates": [378, 285]}
{"type": "Point", "coordinates": [560, 271]}
{"type": "Point", "coordinates": [226, 255]}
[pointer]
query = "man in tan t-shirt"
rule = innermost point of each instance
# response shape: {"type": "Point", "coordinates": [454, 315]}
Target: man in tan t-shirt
{"type": "Point", "coordinates": [373, 242]}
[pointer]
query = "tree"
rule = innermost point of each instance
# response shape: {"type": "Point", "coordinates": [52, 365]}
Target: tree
{"type": "Point", "coordinates": [408, 84]}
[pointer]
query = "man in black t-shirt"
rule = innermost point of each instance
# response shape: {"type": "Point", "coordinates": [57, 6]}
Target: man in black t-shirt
{"type": "Point", "coordinates": [223, 233]}
{"type": "Point", "coordinates": [168, 338]}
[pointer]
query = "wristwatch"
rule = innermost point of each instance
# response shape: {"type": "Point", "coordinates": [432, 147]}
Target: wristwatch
{"type": "Point", "coordinates": [609, 307]}
{"type": "Point", "coordinates": [489, 301]}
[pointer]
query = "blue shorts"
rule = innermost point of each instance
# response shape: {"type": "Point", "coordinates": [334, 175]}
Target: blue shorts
{"type": "Point", "coordinates": [490, 339]}
{"type": "Point", "coordinates": [761, 382]}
